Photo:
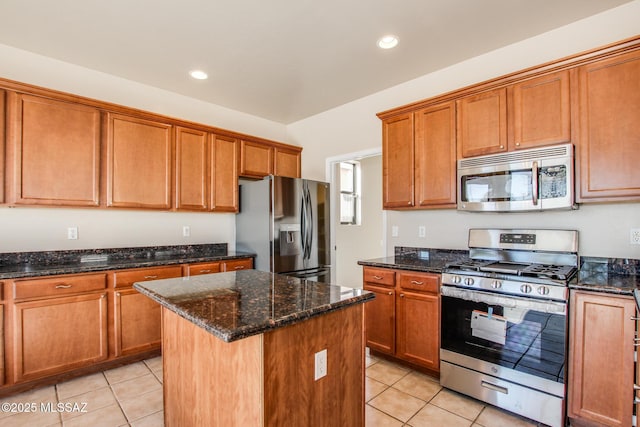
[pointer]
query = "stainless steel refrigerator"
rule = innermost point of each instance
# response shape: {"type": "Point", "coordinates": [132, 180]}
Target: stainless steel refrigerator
{"type": "Point", "coordinates": [286, 222]}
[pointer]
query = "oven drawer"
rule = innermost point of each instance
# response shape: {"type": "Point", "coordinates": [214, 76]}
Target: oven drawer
{"type": "Point", "coordinates": [419, 281]}
{"type": "Point", "coordinates": [379, 276]}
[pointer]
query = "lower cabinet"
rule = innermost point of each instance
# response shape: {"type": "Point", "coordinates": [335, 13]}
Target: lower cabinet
{"type": "Point", "coordinates": [55, 335]}
{"type": "Point", "coordinates": [136, 318]}
{"type": "Point", "coordinates": [601, 359]}
{"type": "Point", "coordinates": [403, 320]}
{"type": "Point", "coordinates": [237, 264]}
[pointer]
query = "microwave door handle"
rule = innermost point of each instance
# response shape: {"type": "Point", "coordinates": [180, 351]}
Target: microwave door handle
{"type": "Point", "coordinates": [534, 183]}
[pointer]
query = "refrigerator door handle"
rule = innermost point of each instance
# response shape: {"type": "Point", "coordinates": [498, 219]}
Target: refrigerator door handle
{"type": "Point", "coordinates": [303, 223]}
{"type": "Point", "coordinates": [309, 233]}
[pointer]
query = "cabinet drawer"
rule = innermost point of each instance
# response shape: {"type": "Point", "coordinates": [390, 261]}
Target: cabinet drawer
{"type": "Point", "coordinates": [205, 268]}
{"type": "Point", "coordinates": [239, 264]}
{"type": "Point", "coordinates": [419, 282]}
{"type": "Point", "coordinates": [122, 279]}
{"type": "Point", "coordinates": [58, 285]}
{"type": "Point", "coordinates": [379, 276]}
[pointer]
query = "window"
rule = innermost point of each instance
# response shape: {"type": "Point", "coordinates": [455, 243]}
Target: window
{"type": "Point", "coordinates": [350, 193]}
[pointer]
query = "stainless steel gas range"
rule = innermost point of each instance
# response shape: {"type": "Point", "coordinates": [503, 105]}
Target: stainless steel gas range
{"type": "Point", "coordinates": [504, 320]}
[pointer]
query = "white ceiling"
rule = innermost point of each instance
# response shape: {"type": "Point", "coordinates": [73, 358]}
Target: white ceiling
{"type": "Point", "coordinates": [282, 60]}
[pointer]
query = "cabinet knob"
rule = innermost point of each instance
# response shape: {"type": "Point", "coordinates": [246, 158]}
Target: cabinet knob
{"type": "Point", "coordinates": [502, 147]}
{"type": "Point", "coordinates": [401, 295]}
{"type": "Point", "coordinates": [517, 144]}
{"type": "Point", "coordinates": [390, 293]}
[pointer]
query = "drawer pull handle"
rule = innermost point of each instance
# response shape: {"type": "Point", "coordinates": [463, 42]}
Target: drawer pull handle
{"type": "Point", "coordinates": [205, 271]}
{"type": "Point", "coordinates": [239, 267]}
{"type": "Point", "coordinates": [63, 286]}
{"type": "Point", "coordinates": [415, 282]}
{"type": "Point", "coordinates": [151, 277]}
{"type": "Point", "coordinates": [377, 277]}
{"type": "Point", "coordinates": [494, 387]}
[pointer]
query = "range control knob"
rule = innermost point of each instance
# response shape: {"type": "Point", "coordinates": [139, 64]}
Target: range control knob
{"type": "Point", "coordinates": [496, 284]}
{"type": "Point", "coordinates": [543, 290]}
{"type": "Point", "coordinates": [456, 280]}
{"type": "Point", "coordinates": [468, 281]}
{"type": "Point", "coordinates": [526, 289]}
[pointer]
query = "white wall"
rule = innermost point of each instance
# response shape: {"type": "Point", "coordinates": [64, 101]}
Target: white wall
{"type": "Point", "coordinates": [35, 229]}
{"type": "Point", "coordinates": [604, 229]}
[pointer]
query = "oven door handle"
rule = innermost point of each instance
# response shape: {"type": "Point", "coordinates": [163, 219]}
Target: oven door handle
{"type": "Point", "coordinates": [552, 307]}
{"type": "Point", "coordinates": [534, 183]}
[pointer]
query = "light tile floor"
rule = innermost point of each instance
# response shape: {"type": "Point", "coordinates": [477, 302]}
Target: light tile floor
{"type": "Point", "coordinates": [132, 396]}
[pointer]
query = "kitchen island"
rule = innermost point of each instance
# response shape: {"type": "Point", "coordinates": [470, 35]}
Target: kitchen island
{"type": "Point", "coordinates": [247, 348]}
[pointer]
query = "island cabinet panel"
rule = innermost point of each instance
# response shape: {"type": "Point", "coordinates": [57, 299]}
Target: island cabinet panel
{"type": "Point", "coordinates": [139, 163]}
{"type": "Point", "coordinates": [256, 159]}
{"type": "Point", "coordinates": [609, 141]}
{"type": "Point", "coordinates": [435, 156]}
{"type": "Point", "coordinates": [292, 395]}
{"type": "Point", "coordinates": [198, 367]}
{"type": "Point", "coordinates": [539, 111]}
{"type": "Point", "coordinates": [136, 318]}
{"type": "Point", "coordinates": [2, 338]}
{"type": "Point", "coordinates": [398, 162]}
{"type": "Point", "coordinates": [56, 335]}
{"type": "Point", "coordinates": [224, 173]}
{"type": "Point", "coordinates": [53, 152]}
{"type": "Point", "coordinates": [192, 169]}
{"type": "Point", "coordinates": [287, 162]}
{"type": "Point", "coordinates": [482, 123]}
{"type": "Point", "coordinates": [601, 359]}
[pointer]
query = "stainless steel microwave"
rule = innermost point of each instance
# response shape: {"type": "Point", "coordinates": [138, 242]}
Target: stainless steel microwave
{"type": "Point", "coordinates": [524, 180]}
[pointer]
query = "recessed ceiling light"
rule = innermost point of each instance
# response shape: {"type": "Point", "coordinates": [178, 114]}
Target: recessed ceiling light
{"type": "Point", "coordinates": [388, 42]}
{"type": "Point", "coordinates": [198, 74]}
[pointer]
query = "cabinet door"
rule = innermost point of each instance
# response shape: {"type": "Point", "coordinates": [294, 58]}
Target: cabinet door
{"type": "Point", "coordinates": [238, 264]}
{"type": "Point", "coordinates": [2, 376]}
{"type": "Point", "coordinates": [2, 144]}
{"type": "Point", "coordinates": [59, 334]}
{"type": "Point", "coordinates": [256, 159]}
{"type": "Point", "coordinates": [139, 163]}
{"type": "Point", "coordinates": [609, 141]}
{"type": "Point", "coordinates": [192, 170]}
{"type": "Point", "coordinates": [137, 322]}
{"type": "Point", "coordinates": [418, 329]}
{"type": "Point", "coordinates": [601, 353]}
{"type": "Point", "coordinates": [203, 268]}
{"type": "Point", "coordinates": [224, 174]}
{"type": "Point", "coordinates": [379, 317]}
{"type": "Point", "coordinates": [54, 152]}
{"type": "Point", "coordinates": [482, 123]}
{"type": "Point", "coordinates": [540, 111]}
{"type": "Point", "coordinates": [287, 162]}
{"type": "Point", "coordinates": [435, 156]}
{"type": "Point", "coordinates": [397, 162]}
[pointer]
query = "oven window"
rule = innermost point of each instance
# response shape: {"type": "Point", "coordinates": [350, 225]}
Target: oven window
{"type": "Point", "coordinates": [501, 186]}
{"type": "Point", "coordinates": [528, 341]}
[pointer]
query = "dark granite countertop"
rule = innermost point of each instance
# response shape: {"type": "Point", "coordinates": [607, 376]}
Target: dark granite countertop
{"type": "Point", "coordinates": [609, 275]}
{"type": "Point", "coordinates": [34, 264]}
{"type": "Point", "coordinates": [236, 305]}
{"type": "Point", "coordinates": [416, 259]}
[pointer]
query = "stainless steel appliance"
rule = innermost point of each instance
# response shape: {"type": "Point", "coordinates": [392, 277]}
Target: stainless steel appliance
{"type": "Point", "coordinates": [524, 180]}
{"type": "Point", "coordinates": [504, 320]}
{"type": "Point", "coordinates": [286, 222]}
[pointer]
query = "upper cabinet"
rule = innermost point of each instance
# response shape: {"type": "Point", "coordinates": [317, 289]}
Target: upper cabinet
{"type": "Point", "coordinates": [419, 159]}
{"type": "Point", "coordinates": [609, 142]}
{"type": "Point", "coordinates": [259, 159]}
{"type": "Point", "coordinates": [192, 169]}
{"type": "Point", "coordinates": [139, 163]}
{"type": "Point", "coordinates": [527, 114]}
{"type": "Point", "coordinates": [224, 175]}
{"type": "Point", "coordinates": [53, 152]}
{"type": "Point", "coordinates": [2, 144]}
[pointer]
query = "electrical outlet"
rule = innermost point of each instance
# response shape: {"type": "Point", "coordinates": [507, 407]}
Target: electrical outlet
{"type": "Point", "coordinates": [72, 233]}
{"type": "Point", "coordinates": [634, 236]}
{"type": "Point", "coordinates": [186, 231]}
{"type": "Point", "coordinates": [394, 231]}
{"type": "Point", "coordinates": [320, 364]}
{"type": "Point", "coordinates": [422, 231]}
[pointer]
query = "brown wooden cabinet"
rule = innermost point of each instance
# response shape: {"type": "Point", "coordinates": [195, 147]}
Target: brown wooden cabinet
{"type": "Point", "coordinates": [2, 144]}
{"type": "Point", "coordinates": [136, 318]}
{"type": "Point", "coordinates": [53, 152]}
{"type": "Point", "coordinates": [201, 268]}
{"type": "Point", "coordinates": [601, 359]}
{"type": "Point", "coordinates": [237, 264]}
{"type": "Point", "coordinates": [609, 142]}
{"type": "Point", "coordinates": [256, 159]}
{"type": "Point", "coordinates": [287, 162]}
{"type": "Point", "coordinates": [224, 173]}
{"type": "Point", "coordinates": [482, 123]}
{"type": "Point", "coordinates": [192, 169]}
{"type": "Point", "coordinates": [404, 319]}
{"type": "Point", "coordinates": [398, 162]}
{"type": "Point", "coordinates": [139, 163]}
{"type": "Point", "coordinates": [54, 334]}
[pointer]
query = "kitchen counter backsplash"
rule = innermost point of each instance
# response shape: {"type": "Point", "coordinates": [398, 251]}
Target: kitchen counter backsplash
{"type": "Point", "coordinates": [428, 260]}
{"type": "Point", "coordinates": [613, 275]}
